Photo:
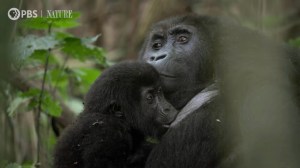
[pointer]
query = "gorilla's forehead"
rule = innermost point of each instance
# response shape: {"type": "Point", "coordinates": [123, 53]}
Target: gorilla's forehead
{"type": "Point", "coordinates": [186, 19]}
{"type": "Point", "coordinates": [165, 26]}
{"type": "Point", "coordinates": [197, 21]}
{"type": "Point", "coordinates": [190, 21]}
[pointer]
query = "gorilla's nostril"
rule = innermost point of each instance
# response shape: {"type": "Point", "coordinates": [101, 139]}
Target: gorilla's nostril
{"type": "Point", "coordinates": [160, 57]}
{"type": "Point", "coordinates": [152, 58]}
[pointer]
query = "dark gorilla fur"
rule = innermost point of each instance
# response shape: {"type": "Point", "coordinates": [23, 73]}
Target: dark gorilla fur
{"type": "Point", "coordinates": [122, 106]}
{"type": "Point", "coordinates": [186, 51]}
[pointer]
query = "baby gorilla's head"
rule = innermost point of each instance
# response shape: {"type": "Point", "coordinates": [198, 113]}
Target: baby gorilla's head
{"type": "Point", "coordinates": [132, 91]}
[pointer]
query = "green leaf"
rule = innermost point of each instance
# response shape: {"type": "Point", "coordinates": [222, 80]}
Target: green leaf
{"type": "Point", "coordinates": [62, 35]}
{"type": "Point", "coordinates": [44, 22]}
{"type": "Point", "coordinates": [25, 46]}
{"type": "Point", "coordinates": [57, 75]}
{"type": "Point", "coordinates": [31, 93]}
{"type": "Point", "coordinates": [85, 77]}
{"type": "Point", "coordinates": [15, 104]}
{"type": "Point", "coordinates": [59, 79]}
{"type": "Point", "coordinates": [90, 40]}
{"type": "Point", "coordinates": [33, 103]}
{"type": "Point", "coordinates": [51, 106]}
{"type": "Point", "coordinates": [88, 75]}
{"type": "Point", "coordinates": [36, 23]}
{"type": "Point", "coordinates": [77, 49]}
{"type": "Point", "coordinates": [41, 55]}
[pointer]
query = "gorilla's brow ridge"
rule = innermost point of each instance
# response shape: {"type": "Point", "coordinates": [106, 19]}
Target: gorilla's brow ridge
{"type": "Point", "coordinates": [179, 30]}
{"type": "Point", "coordinates": [173, 30]}
{"type": "Point", "coordinates": [157, 35]}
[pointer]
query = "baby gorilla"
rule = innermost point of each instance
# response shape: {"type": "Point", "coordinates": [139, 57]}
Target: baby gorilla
{"type": "Point", "coordinates": [124, 105]}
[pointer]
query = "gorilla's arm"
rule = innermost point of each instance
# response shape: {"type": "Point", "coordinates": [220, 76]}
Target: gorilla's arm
{"type": "Point", "coordinates": [105, 146]}
{"type": "Point", "coordinates": [93, 140]}
{"type": "Point", "coordinates": [139, 158]}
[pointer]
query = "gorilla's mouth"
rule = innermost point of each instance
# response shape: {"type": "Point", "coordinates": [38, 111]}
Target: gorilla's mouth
{"type": "Point", "coordinates": [168, 123]}
{"type": "Point", "coordinates": [167, 75]}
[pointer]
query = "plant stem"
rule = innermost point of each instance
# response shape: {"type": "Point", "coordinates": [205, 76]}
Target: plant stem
{"type": "Point", "coordinates": [38, 164]}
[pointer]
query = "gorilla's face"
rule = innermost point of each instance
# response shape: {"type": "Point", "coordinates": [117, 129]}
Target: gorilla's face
{"type": "Point", "coordinates": [171, 51]}
{"type": "Point", "coordinates": [157, 112]}
{"type": "Point", "coordinates": [132, 91]}
{"type": "Point", "coordinates": [179, 50]}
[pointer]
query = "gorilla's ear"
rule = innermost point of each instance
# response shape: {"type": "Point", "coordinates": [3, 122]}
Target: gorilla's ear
{"type": "Point", "coordinates": [114, 108]}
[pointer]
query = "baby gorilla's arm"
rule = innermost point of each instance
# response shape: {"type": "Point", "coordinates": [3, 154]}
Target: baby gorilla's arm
{"type": "Point", "coordinates": [107, 143]}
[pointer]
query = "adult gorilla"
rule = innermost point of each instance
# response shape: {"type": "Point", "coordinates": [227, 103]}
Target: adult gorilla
{"type": "Point", "coordinates": [197, 56]}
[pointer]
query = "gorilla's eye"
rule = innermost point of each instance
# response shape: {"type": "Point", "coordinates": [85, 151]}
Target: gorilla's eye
{"type": "Point", "coordinates": [157, 45]}
{"type": "Point", "coordinates": [149, 97]}
{"type": "Point", "coordinates": [182, 39]}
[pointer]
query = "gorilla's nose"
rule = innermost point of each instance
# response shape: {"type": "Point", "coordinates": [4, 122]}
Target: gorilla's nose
{"type": "Point", "coordinates": [159, 57]}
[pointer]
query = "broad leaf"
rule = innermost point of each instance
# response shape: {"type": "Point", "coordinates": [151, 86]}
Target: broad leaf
{"type": "Point", "coordinates": [78, 49]}
{"type": "Point", "coordinates": [13, 106]}
{"type": "Point", "coordinates": [25, 46]}
{"type": "Point", "coordinates": [45, 22]}
{"type": "Point", "coordinates": [86, 77]}
{"type": "Point", "coordinates": [51, 106]}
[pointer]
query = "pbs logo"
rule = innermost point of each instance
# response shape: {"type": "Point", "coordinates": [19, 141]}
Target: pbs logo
{"type": "Point", "coordinates": [13, 14]}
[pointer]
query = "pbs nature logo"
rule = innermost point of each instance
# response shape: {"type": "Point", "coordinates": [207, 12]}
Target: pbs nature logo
{"type": "Point", "coordinates": [15, 13]}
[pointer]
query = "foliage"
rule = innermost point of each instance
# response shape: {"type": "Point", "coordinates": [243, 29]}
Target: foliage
{"type": "Point", "coordinates": [34, 49]}
{"type": "Point", "coordinates": [42, 23]}
{"type": "Point", "coordinates": [48, 50]}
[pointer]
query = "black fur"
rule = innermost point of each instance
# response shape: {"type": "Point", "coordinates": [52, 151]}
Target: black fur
{"type": "Point", "coordinates": [110, 132]}
{"type": "Point", "coordinates": [191, 53]}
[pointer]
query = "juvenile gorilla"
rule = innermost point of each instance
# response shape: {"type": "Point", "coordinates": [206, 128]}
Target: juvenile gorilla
{"type": "Point", "coordinates": [122, 106]}
{"type": "Point", "coordinates": [198, 55]}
